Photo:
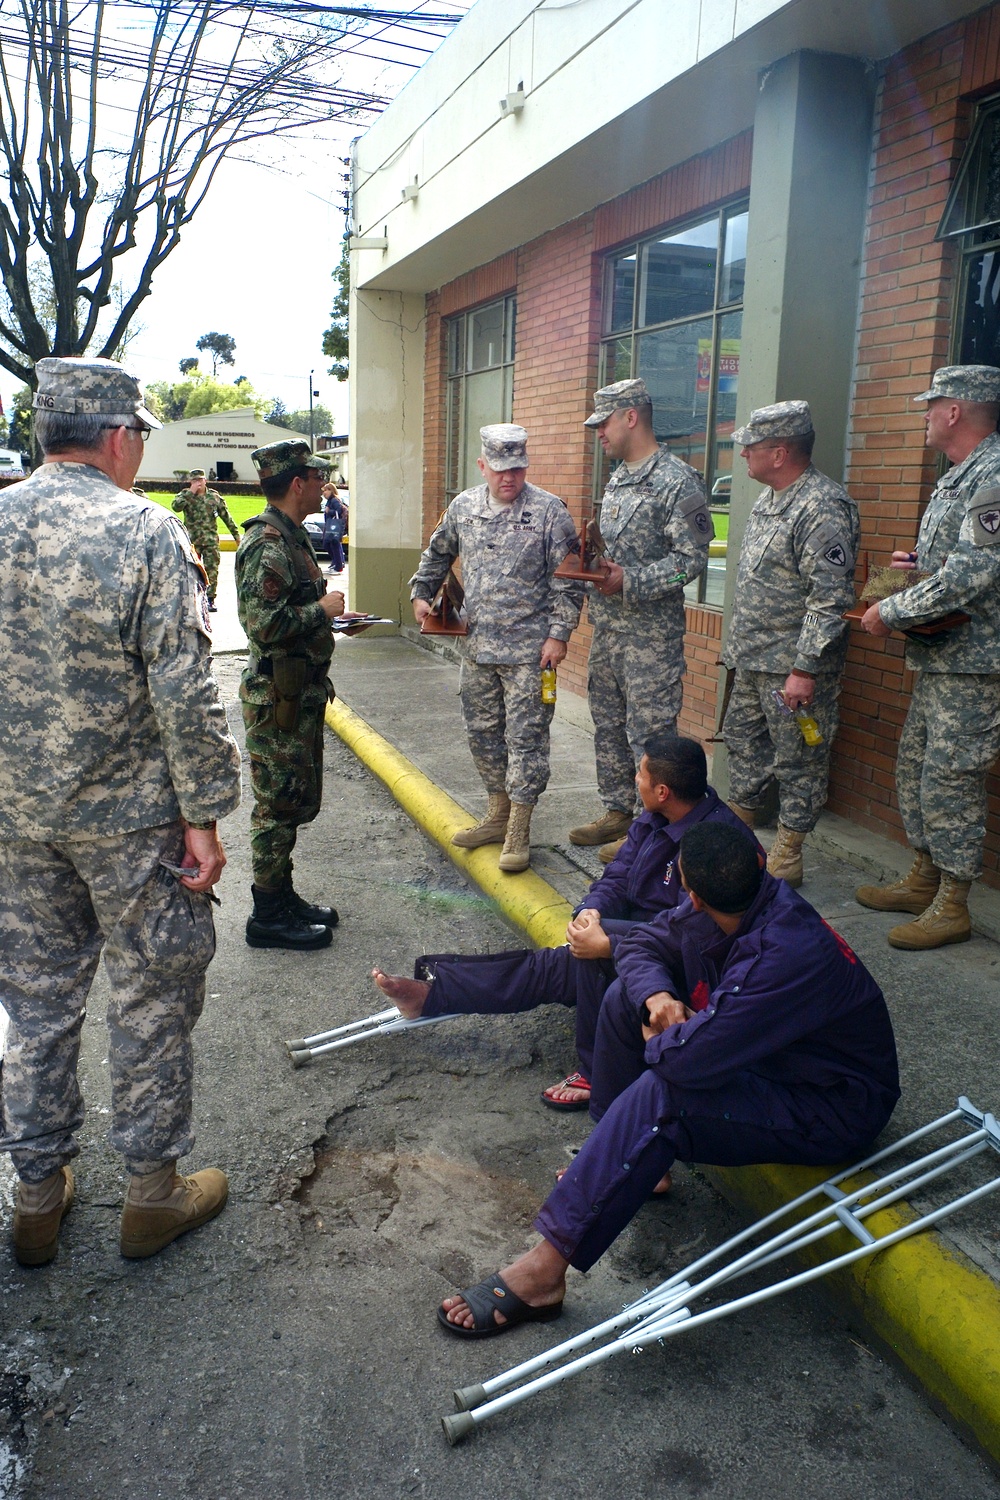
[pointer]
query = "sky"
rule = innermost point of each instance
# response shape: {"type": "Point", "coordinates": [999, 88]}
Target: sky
{"type": "Point", "coordinates": [257, 260]}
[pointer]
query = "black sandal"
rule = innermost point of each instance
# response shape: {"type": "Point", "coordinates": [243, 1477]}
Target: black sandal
{"type": "Point", "coordinates": [494, 1295]}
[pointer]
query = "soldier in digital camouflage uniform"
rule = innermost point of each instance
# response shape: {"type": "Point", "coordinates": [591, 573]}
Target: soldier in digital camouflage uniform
{"type": "Point", "coordinates": [115, 763]}
{"type": "Point", "coordinates": [787, 634]}
{"type": "Point", "coordinates": [656, 523]}
{"type": "Point", "coordinates": [286, 612]}
{"type": "Point", "coordinates": [201, 509]}
{"type": "Point", "coordinates": [952, 732]}
{"type": "Point", "coordinates": [511, 536]}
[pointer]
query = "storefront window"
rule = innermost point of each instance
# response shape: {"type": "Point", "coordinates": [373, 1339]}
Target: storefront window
{"type": "Point", "coordinates": [674, 317]}
{"type": "Point", "coordinates": [972, 216]}
{"type": "Point", "coordinates": [480, 386]}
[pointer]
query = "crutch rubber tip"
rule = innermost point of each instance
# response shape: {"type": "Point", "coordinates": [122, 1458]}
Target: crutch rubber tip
{"type": "Point", "coordinates": [458, 1427]}
{"type": "Point", "coordinates": [469, 1397]}
{"type": "Point", "coordinates": [301, 1057]}
{"type": "Point", "coordinates": [296, 1044]}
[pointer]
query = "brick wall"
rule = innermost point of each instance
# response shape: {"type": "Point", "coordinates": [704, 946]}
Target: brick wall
{"type": "Point", "coordinates": [908, 288]}
{"type": "Point", "coordinates": [559, 288]}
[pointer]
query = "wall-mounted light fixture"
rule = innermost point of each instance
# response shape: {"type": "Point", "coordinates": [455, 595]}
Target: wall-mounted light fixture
{"type": "Point", "coordinates": [411, 190]}
{"type": "Point", "coordinates": [367, 242]}
{"type": "Point", "coordinates": [512, 104]}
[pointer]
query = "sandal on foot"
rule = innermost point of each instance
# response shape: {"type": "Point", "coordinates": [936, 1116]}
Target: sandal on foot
{"type": "Point", "coordinates": [494, 1295]}
{"type": "Point", "coordinates": [571, 1081]}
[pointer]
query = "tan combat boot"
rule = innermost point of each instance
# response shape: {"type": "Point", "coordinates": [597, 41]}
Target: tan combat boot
{"type": "Point", "coordinates": [614, 824]}
{"type": "Point", "coordinates": [38, 1213]}
{"type": "Point", "coordinates": [162, 1205]}
{"type": "Point", "coordinates": [745, 814]}
{"type": "Point", "coordinates": [492, 829]}
{"type": "Point", "coordinates": [914, 892]}
{"type": "Point", "coordinates": [516, 852]}
{"type": "Point", "coordinates": [607, 852]}
{"type": "Point", "coordinates": [785, 859]}
{"type": "Point", "coordinates": [946, 920]}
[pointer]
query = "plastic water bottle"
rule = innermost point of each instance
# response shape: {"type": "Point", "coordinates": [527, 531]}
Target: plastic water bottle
{"type": "Point", "coordinates": [548, 684]}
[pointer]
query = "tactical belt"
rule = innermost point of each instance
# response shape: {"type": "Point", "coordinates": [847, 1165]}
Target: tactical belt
{"type": "Point", "coordinates": [264, 667]}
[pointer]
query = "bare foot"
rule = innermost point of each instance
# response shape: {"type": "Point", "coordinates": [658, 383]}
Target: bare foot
{"type": "Point", "coordinates": [408, 995]}
{"type": "Point", "coordinates": [538, 1278]}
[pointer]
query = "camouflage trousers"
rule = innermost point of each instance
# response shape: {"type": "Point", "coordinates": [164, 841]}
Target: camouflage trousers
{"type": "Point", "coordinates": [950, 740]}
{"type": "Point", "coordinates": [286, 773]}
{"type": "Point", "coordinates": [635, 692]}
{"type": "Point", "coordinates": [766, 745]}
{"type": "Point", "coordinates": [211, 557]}
{"type": "Point", "coordinates": [60, 904]}
{"type": "Point", "coordinates": [508, 727]}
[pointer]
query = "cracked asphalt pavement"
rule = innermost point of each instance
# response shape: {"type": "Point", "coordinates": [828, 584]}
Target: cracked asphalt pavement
{"type": "Point", "coordinates": [290, 1348]}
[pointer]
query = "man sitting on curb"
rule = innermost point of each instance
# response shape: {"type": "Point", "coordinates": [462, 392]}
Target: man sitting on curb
{"type": "Point", "coordinates": [639, 883]}
{"type": "Point", "coordinates": [743, 1029]}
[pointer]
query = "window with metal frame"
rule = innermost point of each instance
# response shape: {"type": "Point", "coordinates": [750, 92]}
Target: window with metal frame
{"type": "Point", "coordinates": [972, 217]}
{"type": "Point", "coordinates": [674, 315]}
{"type": "Point", "coordinates": [480, 385]}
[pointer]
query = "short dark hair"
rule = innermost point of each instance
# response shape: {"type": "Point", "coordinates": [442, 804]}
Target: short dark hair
{"type": "Point", "coordinates": [719, 863]}
{"type": "Point", "coordinates": [276, 486]}
{"type": "Point", "coordinates": [678, 763]}
{"type": "Point", "coordinates": [801, 445]}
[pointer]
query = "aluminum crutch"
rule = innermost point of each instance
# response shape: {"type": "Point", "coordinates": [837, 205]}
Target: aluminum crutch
{"type": "Point", "coordinates": [302, 1050]}
{"type": "Point", "coordinates": [664, 1312]}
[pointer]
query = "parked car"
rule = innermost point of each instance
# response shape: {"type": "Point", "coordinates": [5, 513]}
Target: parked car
{"type": "Point", "coordinates": [722, 489]}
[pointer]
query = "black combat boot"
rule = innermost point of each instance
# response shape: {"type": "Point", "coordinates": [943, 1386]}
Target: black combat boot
{"type": "Point", "coordinates": [274, 924]}
{"type": "Point", "coordinates": [323, 916]}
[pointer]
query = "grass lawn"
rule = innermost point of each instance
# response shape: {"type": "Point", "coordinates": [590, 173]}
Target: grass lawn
{"type": "Point", "coordinates": [241, 507]}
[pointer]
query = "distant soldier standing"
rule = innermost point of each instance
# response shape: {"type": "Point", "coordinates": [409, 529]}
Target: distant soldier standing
{"type": "Point", "coordinates": [286, 612]}
{"type": "Point", "coordinates": [115, 763]}
{"type": "Point", "coordinates": [201, 509]}
{"type": "Point", "coordinates": [655, 521]}
{"type": "Point", "coordinates": [952, 732]}
{"type": "Point", "coordinates": [787, 636]}
{"type": "Point", "coordinates": [511, 537]}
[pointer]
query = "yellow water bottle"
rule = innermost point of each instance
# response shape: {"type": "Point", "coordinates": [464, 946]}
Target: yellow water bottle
{"type": "Point", "coordinates": [548, 684]}
{"type": "Point", "coordinates": [808, 727]}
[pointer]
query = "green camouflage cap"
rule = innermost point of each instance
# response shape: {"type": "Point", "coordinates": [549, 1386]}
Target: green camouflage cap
{"type": "Point", "coordinates": [196, 473]}
{"type": "Point", "coordinates": [83, 386]}
{"type": "Point", "coordinates": [964, 383]}
{"type": "Point", "coordinates": [622, 396]}
{"type": "Point", "coordinates": [278, 458]}
{"type": "Point", "coordinates": [504, 446]}
{"type": "Point", "coordinates": [768, 424]}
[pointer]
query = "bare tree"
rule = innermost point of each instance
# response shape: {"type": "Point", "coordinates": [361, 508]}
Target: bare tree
{"type": "Point", "coordinates": [81, 216]}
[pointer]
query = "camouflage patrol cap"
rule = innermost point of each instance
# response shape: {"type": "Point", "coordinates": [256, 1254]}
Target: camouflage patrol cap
{"type": "Point", "coordinates": [196, 473]}
{"type": "Point", "coordinates": [504, 446]}
{"type": "Point", "coordinates": [768, 424]}
{"type": "Point", "coordinates": [82, 386]}
{"type": "Point", "coordinates": [964, 383]}
{"type": "Point", "coordinates": [621, 396]}
{"type": "Point", "coordinates": [278, 458]}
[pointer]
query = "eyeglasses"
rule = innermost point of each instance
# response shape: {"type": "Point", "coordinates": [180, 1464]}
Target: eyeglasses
{"type": "Point", "coordinates": [127, 426]}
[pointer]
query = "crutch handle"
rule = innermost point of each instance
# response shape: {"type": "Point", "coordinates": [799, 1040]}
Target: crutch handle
{"type": "Point", "coordinates": [458, 1427]}
{"type": "Point", "coordinates": [469, 1396]}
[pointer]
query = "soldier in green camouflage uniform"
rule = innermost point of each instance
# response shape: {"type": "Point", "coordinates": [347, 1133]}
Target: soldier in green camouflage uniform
{"type": "Point", "coordinates": [656, 523]}
{"type": "Point", "coordinates": [511, 536]}
{"type": "Point", "coordinates": [201, 509]}
{"type": "Point", "coordinates": [787, 634]}
{"type": "Point", "coordinates": [115, 763]}
{"type": "Point", "coordinates": [286, 612]}
{"type": "Point", "coordinates": [951, 737]}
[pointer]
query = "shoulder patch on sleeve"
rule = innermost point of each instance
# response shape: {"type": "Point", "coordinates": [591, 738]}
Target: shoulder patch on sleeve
{"type": "Point", "coordinates": [985, 517]}
{"type": "Point", "coordinates": [694, 509]}
{"type": "Point", "coordinates": [832, 546]}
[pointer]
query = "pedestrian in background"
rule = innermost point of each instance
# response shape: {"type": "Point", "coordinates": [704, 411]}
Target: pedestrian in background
{"type": "Point", "coordinates": [334, 528]}
{"type": "Point", "coordinates": [202, 509]}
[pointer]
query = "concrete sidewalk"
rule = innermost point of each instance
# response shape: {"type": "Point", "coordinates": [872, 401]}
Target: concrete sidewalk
{"type": "Point", "coordinates": [934, 1301]}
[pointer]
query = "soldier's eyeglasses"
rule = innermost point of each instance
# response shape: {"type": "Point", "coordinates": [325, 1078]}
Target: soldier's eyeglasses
{"type": "Point", "coordinates": [142, 431]}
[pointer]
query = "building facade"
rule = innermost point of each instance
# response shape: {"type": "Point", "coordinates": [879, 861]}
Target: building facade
{"type": "Point", "coordinates": [742, 202]}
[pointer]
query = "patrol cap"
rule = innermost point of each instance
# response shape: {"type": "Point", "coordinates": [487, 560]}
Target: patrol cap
{"type": "Point", "coordinates": [504, 446]}
{"type": "Point", "coordinates": [196, 473]}
{"type": "Point", "coordinates": [964, 383]}
{"type": "Point", "coordinates": [621, 396]}
{"type": "Point", "coordinates": [785, 419]}
{"type": "Point", "coordinates": [82, 386]}
{"type": "Point", "coordinates": [278, 458]}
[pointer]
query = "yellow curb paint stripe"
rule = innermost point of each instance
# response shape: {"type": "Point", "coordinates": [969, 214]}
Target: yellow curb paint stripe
{"type": "Point", "coordinates": [526, 900]}
{"type": "Point", "coordinates": [931, 1305]}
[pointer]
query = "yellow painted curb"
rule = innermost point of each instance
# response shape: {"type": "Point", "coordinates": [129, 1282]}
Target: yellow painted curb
{"type": "Point", "coordinates": [936, 1310]}
{"type": "Point", "coordinates": [526, 900]}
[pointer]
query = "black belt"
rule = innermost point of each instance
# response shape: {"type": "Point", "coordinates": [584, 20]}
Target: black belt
{"type": "Point", "coordinates": [264, 667]}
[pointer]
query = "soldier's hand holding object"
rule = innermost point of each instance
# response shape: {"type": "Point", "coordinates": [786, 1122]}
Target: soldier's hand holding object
{"type": "Point", "coordinates": [203, 845]}
{"type": "Point", "coordinates": [872, 621]}
{"type": "Point", "coordinates": [799, 690]}
{"type": "Point", "coordinates": [332, 604]}
{"type": "Point", "coordinates": [586, 937]}
{"type": "Point", "coordinates": [553, 652]}
{"type": "Point", "coordinates": [664, 1010]}
{"type": "Point", "coordinates": [613, 579]}
{"type": "Point", "coordinates": [421, 609]}
{"type": "Point", "coordinates": [905, 560]}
